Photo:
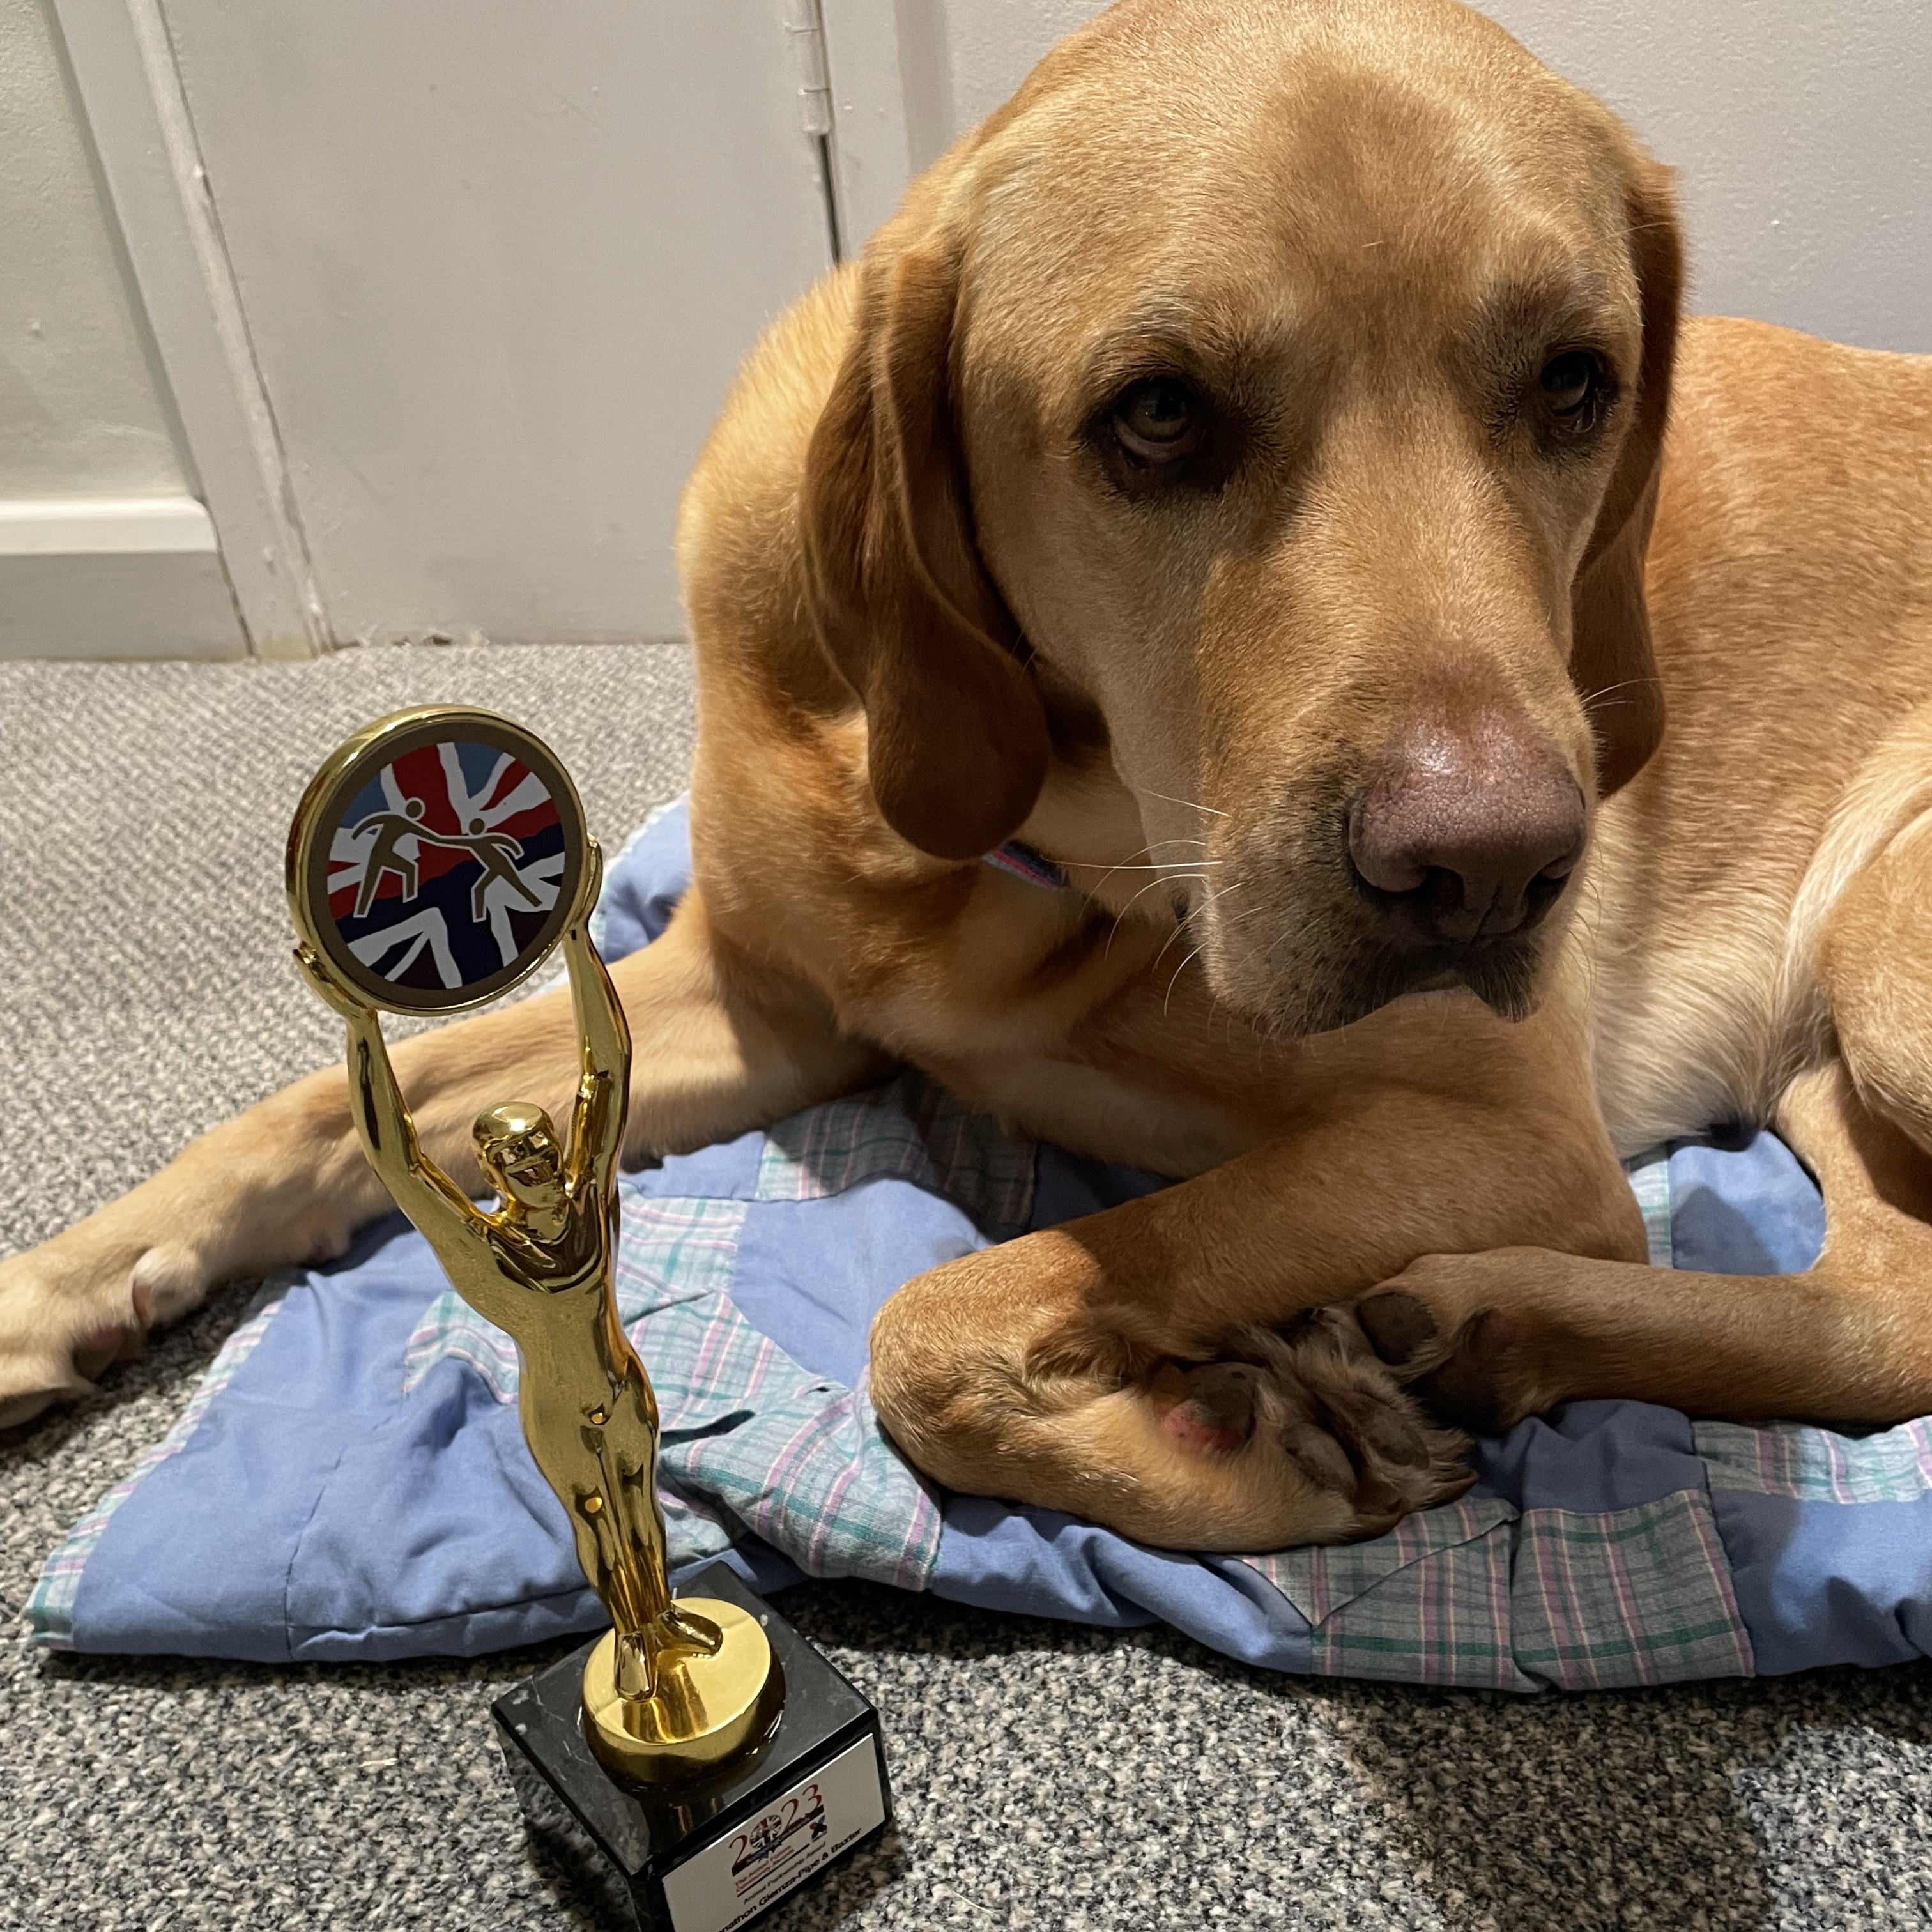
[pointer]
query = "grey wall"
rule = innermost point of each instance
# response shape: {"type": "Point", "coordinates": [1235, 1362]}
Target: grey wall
{"type": "Point", "coordinates": [1801, 129]}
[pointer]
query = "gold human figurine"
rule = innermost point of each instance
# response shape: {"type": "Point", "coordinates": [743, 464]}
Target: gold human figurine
{"type": "Point", "coordinates": [676, 1687]}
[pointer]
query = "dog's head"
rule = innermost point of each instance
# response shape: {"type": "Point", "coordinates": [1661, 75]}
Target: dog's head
{"type": "Point", "coordinates": [1271, 394]}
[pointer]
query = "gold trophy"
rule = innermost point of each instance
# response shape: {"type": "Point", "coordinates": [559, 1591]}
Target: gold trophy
{"type": "Point", "coordinates": [435, 861]}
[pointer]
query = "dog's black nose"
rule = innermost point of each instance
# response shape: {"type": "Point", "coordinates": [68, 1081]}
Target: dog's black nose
{"type": "Point", "coordinates": [1466, 830]}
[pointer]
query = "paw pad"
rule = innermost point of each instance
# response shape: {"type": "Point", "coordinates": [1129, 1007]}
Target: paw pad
{"type": "Point", "coordinates": [1212, 1410]}
{"type": "Point", "coordinates": [1399, 1324]}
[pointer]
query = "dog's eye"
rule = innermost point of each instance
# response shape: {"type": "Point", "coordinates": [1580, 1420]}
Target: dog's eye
{"type": "Point", "coordinates": [1572, 384]}
{"type": "Point", "coordinates": [1158, 421]}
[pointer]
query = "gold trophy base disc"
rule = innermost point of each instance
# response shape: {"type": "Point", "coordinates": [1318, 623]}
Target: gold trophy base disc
{"type": "Point", "coordinates": [706, 1710]}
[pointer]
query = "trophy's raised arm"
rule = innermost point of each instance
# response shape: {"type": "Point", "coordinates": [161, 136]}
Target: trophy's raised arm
{"type": "Point", "coordinates": [604, 1037]}
{"type": "Point", "coordinates": [435, 862]}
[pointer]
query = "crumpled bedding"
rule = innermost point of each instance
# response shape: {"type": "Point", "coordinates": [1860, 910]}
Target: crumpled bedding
{"type": "Point", "coordinates": [350, 1481]}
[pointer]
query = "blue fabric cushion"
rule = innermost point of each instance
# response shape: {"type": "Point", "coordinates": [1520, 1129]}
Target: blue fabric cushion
{"type": "Point", "coordinates": [351, 1481]}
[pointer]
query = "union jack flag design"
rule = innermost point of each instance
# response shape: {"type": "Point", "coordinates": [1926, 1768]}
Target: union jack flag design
{"type": "Point", "coordinates": [443, 867]}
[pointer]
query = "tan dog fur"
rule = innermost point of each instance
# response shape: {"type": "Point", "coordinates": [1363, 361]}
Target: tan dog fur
{"type": "Point", "coordinates": [928, 617]}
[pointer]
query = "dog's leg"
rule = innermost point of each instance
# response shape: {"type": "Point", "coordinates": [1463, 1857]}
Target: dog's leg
{"type": "Point", "coordinates": [721, 1044]}
{"type": "Point", "coordinates": [1500, 1336]}
{"type": "Point", "coordinates": [1168, 1367]}
{"type": "Point", "coordinates": [1488, 1338]}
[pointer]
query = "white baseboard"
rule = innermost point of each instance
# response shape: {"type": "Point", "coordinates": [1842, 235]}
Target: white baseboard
{"type": "Point", "coordinates": [113, 577]}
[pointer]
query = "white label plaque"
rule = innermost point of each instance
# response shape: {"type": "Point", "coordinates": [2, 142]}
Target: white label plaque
{"type": "Point", "coordinates": [736, 1879]}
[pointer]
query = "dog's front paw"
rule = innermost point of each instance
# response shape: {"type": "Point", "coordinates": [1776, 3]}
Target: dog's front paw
{"type": "Point", "coordinates": [1265, 1438]}
{"type": "Point", "coordinates": [45, 1357]}
{"type": "Point", "coordinates": [1315, 1398]}
{"type": "Point", "coordinates": [70, 1308]}
{"type": "Point", "coordinates": [1455, 1330]}
{"type": "Point", "coordinates": [1363, 1432]}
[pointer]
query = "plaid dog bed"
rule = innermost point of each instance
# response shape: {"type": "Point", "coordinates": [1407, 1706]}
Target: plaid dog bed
{"type": "Point", "coordinates": [350, 1480]}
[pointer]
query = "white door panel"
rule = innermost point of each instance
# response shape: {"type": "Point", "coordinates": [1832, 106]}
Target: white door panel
{"type": "Point", "coordinates": [499, 262]}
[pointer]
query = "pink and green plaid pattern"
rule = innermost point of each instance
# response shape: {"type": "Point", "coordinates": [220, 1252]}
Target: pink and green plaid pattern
{"type": "Point", "coordinates": [751, 1442]}
{"type": "Point", "coordinates": [1787, 1459]}
{"type": "Point", "coordinates": [909, 1130]}
{"type": "Point", "coordinates": [1650, 1182]}
{"type": "Point", "coordinates": [670, 1250]}
{"type": "Point", "coordinates": [1428, 1602]}
{"type": "Point", "coordinates": [1473, 1596]}
{"type": "Point", "coordinates": [1604, 1600]}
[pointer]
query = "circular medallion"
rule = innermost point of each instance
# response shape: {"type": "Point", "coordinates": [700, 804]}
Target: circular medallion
{"type": "Point", "coordinates": [436, 858]}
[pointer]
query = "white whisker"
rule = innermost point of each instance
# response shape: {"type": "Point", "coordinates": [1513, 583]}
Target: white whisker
{"type": "Point", "coordinates": [1177, 971]}
{"type": "Point", "coordinates": [1189, 802]}
{"type": "Point", "coordinates": [1121, 915]}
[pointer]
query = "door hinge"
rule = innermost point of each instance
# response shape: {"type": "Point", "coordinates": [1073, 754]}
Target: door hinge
{"type": "Point", "coordinates": [806, 26]}
{"type": "Point", "coordinates": [806, 23]}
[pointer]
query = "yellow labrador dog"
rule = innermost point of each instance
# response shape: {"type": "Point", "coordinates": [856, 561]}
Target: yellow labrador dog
{"type": "Point", "coordinates": [1484, 728]}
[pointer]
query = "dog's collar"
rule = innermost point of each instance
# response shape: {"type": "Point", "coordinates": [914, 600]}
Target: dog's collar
{"type": "Point", "coordinates": [1024, 862]}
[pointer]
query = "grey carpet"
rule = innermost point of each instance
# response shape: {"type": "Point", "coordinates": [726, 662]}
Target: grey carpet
{"type": "Point", "coordinates": [1046, 1776]}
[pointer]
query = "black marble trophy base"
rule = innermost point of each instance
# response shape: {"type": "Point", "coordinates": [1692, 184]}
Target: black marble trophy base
{"type": "Point", "coordinates": [710, 1857]}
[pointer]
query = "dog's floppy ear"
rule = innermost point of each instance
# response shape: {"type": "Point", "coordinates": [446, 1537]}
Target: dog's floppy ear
{"type": "Point", "coordinates": [956, 734]}
{"type": "Point", "coordinates": [1610, 660]}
